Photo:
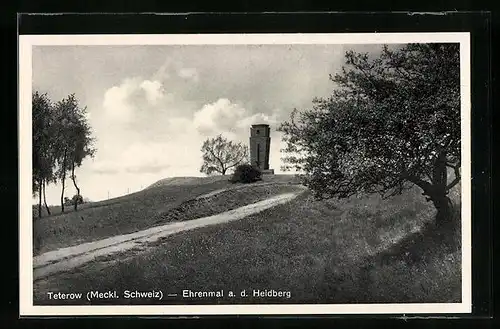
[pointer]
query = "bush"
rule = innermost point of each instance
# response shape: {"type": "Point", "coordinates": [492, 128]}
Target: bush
{"type": "Point", "coordinates": [70, 202]}
{"type": "Point", "coordinates": [246, 173]}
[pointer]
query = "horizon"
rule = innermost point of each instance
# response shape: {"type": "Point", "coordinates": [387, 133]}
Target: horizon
{"type": "Point", "coordinates": [146, 187]}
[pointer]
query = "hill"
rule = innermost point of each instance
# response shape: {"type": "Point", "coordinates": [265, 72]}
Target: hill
{"type": "Point", "coordinates": [180, 181]}
{"type": "Point", "coordinates": [151, 206]}
{"type": "Point", "coordinates": [360, 250]}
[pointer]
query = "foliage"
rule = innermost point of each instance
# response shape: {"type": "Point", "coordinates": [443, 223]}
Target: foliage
{"type": "Point", "coordinates": [220, 155]}
{"type": "Point", "coordinates": [43, 145]}
{"type": "Point", "coordinates": [75, 199]}
{"type": "Point", "coordinates": [391, 122]}
{"type": "Point", "coordinates": [61, 140]}
{"type": "Point", "coordinates": [74, 140]}
{"type": "Point", "coordinates": [246, 173]}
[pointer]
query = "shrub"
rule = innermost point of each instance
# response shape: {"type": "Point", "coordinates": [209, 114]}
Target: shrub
{"type": "Point", "coordinates": [70, 202]}
{"type": "Point", "coordinates": [245, 173]}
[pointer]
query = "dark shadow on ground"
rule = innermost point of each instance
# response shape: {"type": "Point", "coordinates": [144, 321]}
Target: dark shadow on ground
{"type": "Point", "coordinates": [417, 250]}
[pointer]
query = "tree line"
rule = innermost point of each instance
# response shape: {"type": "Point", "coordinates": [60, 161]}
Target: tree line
{"type": "Point", "coordinates": [62, 139]}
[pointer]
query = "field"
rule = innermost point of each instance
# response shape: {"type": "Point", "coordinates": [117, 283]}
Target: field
{"type": "Point", "coordinates": [156, 205]}
{"type": "Point", "coordinates": [360, 250]}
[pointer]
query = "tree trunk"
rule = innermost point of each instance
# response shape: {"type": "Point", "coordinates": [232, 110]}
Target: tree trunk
{"type": "Point", "coordinates": [45, 199]}
{"type": "Point", "coordinates": [62, 193]}
{"type": "Point", "coordinates": [63, 181]}
{"type": "Point", "coordinates": [73, 178]}
{"type": "Point", "coordinates": [444, 209]}
{"type": "Point", "coordinates": [223, 171]}
{"type": "Point", "coordinates": [40, 199]}
{"type": "Point", "coordinates": [439, 196]}
{"type": "Point", "coordinates": [436, 190]}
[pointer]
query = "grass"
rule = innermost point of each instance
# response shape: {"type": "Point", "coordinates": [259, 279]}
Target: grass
{"type": "Point", "coordinates": [156, 205]}
{"type": "Point", "coordinates": [320, 251]}
{"type": "Point", "coordinates": [223, 201]}
{"type": "Point", "coordinates": [421, 266]}
{"type": "Point", "coordinates": [158, 186]}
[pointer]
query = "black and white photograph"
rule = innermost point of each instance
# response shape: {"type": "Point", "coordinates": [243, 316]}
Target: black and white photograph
{"type": "Point", "coordinates": [245, 174]}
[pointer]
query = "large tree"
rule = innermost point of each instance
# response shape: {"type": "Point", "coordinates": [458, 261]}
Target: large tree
{"type": "Point", "coordinates": [221, 154]}
{"type": "Point", "coordinates": [392, 121]}
{"type": "Point", "coordinates": [74, 140]}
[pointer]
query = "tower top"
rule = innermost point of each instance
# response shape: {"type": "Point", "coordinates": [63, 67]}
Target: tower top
{"type": "Point", "coordinates": [260, 130]}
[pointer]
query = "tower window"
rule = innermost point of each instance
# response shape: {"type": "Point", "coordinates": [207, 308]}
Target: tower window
{"type": "Point", "coordinates": [258, 131]}
{"type": "Point", "coordinates": [258, 155]}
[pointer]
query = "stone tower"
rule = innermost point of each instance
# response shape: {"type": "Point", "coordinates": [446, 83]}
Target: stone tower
{"type": "Point", "coordinates": [260, 143]}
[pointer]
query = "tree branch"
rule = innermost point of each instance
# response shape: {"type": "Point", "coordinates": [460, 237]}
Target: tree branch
{"type": "Point", "coordinates": [368, 78]}
{"type": "Point", "coordinates": [234, 164]}
{"type": "Point", "coordinates": [456, 169]}
{"type": "Point", "coordinates": [404, 74]}
{"type": "Point", "coordinates": [217, 159]}
{"type": "Point", "coordinates": [426, 186]}
{"type": "Point", "coordinates": [453, 183]}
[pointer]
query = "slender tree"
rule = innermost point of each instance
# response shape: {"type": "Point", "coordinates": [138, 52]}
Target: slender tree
{"type": "Point", "coordinates": [81, 137]}
{"type": "Point", "coordinates": [74, 140]}
{"type": "Point", "coordinates": [64, 108]}
{"type": "Point", "coordinates": [220, 155]}
{"type": "Point", "coordinates": [47, 208]}
{"type": "Point", "coordinates": [43, 145]}
{"type": "Point", "coordinates": [390, 123]}
{"type": "Point", "coordinates": [50, 176]}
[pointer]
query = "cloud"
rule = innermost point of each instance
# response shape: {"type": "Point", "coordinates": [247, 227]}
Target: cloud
{"type": "Point", "coordinates": [154, 91]}
{"type": "Point", "coordinates": [176, 67]}
{"type": "Point", "coordinates": [224, 115]}
{"type": "Point", "coordinates": [162, 73]}
{"type": "Point", "coordinates": [175, 148]}
{"type": "Point", "coordinates": [147, 131]}
{"type": "Point", "coordinates": [189, 73]}
{"type": "Point", "coordinates": [116, 105]}
{"type": "Point", "coordinates": [123, 103]}
{"type": "Point", "coordinates": [218, 116]}
{"type": "Point", "coordinates": [258, 118]}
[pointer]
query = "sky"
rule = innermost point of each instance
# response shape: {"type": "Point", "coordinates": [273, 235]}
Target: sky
{"type": "Point", "coordinates": [151, 107]}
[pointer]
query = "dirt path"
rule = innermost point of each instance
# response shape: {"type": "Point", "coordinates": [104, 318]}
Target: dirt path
{"type": "Point", "coordinates": [68, 258]}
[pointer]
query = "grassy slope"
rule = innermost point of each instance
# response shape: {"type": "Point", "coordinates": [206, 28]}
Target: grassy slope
{"type": "Point", "coordinates": [174, 182]}
{"type": "Point", "coordinates": [142, 210]}
{"type": "Point", "coordinates": [320, 251]}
